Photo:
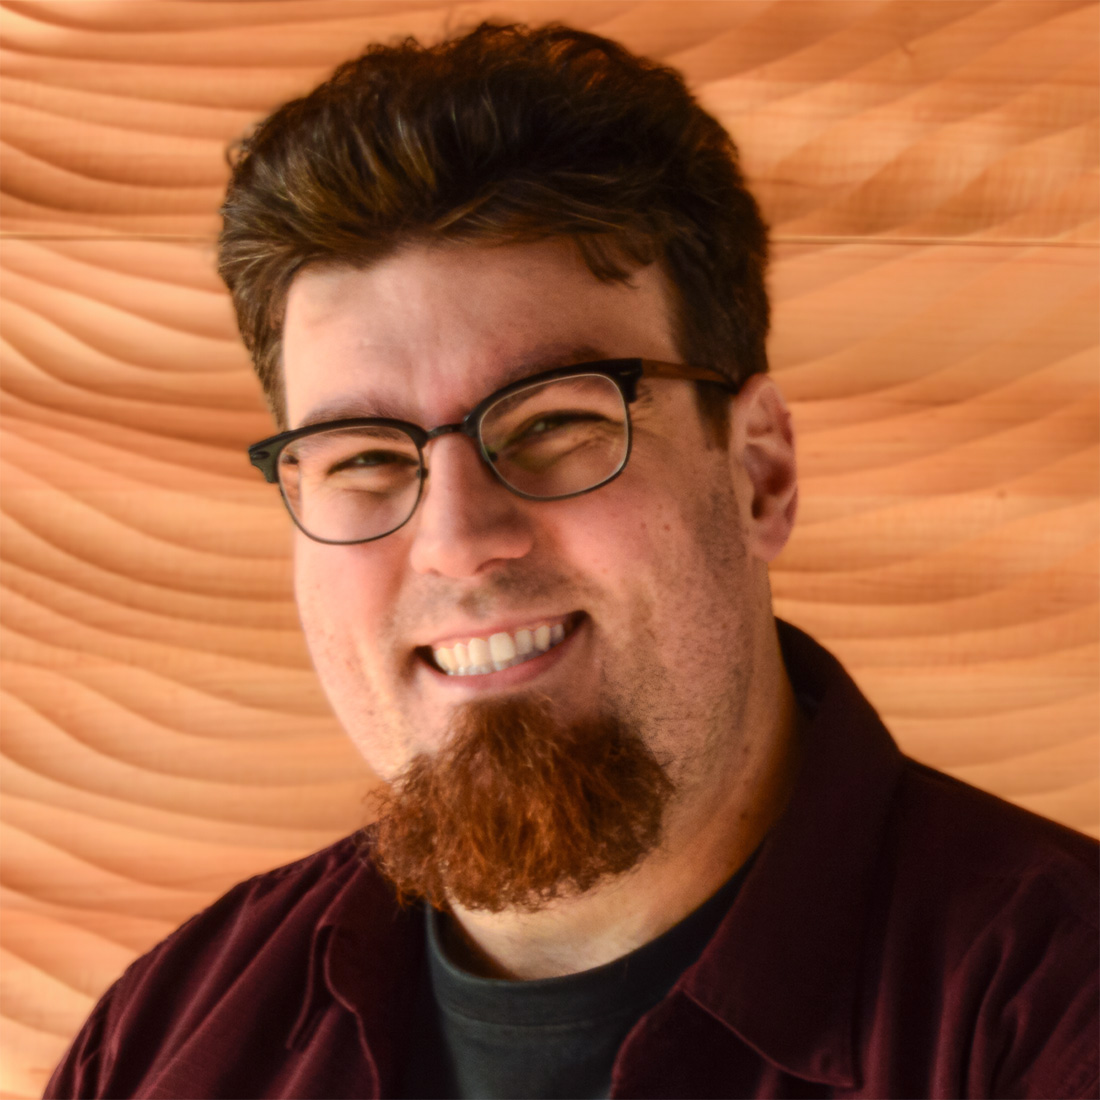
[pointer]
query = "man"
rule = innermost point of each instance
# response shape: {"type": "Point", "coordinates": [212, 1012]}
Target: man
{"type": "Point", "coordinates": [506, 298]}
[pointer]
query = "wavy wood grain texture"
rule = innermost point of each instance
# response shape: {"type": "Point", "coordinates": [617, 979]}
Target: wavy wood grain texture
{"type": "Point", "coordinates": [930, 172]}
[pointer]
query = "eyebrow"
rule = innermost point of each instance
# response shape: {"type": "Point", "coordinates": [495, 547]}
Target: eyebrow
{"type": "Point", "coordinates": [350, 408]}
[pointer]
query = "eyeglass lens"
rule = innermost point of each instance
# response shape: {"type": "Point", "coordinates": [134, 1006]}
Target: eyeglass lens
{"type": "Point", "coordinates": [548, 440]}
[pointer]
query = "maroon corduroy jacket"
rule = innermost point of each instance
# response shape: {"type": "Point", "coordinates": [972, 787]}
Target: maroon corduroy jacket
{"type": "Point", "coordinates": [900, 935]}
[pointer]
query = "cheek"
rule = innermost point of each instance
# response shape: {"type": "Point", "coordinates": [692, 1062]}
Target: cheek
{"type": "Point", "coordinates": [647, 553]}
{"type": "Point", "coordinates": [609, 537]}
{"type": "Point", "coordinates": [341, 599]}
{"type": "Point", "coordinates": [687, 563]}
{"type": "Point", "coordinates": [316, 585]}
{"type": "Point", "coordinates": [657, 519]}
{"type": "Point", "coordinates": [341, 604]}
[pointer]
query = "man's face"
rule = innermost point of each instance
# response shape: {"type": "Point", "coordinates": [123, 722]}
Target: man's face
{"type": "Point", "coordinates": [648, 577]}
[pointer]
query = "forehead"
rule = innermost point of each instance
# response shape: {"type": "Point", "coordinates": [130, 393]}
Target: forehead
{"type": "Point", "coordinates": [425, 334]}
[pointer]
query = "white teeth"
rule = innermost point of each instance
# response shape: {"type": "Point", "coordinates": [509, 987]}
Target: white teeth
{"type": "Point", "coordinates": [502, 649]}
{"type": "Point", "coordinates": [478, 655]}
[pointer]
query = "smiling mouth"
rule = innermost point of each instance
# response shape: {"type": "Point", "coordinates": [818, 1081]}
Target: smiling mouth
{"type": "Point", "coordinates": [478, 656]}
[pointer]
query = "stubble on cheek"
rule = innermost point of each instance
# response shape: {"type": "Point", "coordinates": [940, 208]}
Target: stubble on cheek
{"type": "Point", "coordinates": [685, 678]}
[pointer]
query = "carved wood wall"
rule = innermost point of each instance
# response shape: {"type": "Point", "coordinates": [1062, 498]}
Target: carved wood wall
{"type": "Point", "coordinates": [930, 172]}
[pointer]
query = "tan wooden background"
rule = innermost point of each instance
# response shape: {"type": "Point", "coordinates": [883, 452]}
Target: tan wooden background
{"type": "Point", "coordinates": [930, 172]}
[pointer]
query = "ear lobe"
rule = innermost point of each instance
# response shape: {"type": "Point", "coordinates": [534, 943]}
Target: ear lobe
{"type": "Point", "coordinates": [763, 444]}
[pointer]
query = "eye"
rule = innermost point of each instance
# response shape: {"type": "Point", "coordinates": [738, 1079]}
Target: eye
{"type": "Point", "coordinates": [550, 422]}
{"type": "Point", "coordinates": [373, 460]}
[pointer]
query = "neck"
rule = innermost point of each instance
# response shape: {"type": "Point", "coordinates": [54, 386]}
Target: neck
{"type": "Point", "coordinates": [712, 828]}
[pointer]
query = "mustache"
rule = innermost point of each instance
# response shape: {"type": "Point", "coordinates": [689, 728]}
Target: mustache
{"type": "Point", "coordinates": [510, 587]}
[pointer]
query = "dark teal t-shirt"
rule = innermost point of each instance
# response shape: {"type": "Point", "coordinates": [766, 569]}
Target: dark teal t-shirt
{"type": "Point", "coordinates": [557, 1037]}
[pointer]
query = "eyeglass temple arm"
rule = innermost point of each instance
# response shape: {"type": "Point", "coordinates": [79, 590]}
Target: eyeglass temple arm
{"type": "Point", "coordinates": [658, 368]}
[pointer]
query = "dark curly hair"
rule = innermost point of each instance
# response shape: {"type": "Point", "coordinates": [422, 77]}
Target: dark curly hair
{"type": "Point", "coordinates": [504, 134]}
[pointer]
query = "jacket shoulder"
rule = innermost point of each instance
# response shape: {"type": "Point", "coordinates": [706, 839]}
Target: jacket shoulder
{"type": "Point", "coordinates": [973, 836]}
{"type": "Point", "coordinates": [994, 914]}
{"type": "Point", "coordinates": [253, 946]}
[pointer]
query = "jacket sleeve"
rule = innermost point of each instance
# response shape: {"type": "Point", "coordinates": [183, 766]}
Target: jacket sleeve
{"type": "Point", "coordinates": [1055, 1029]}
{"type": "Point", "coordinates": [85, 1069]}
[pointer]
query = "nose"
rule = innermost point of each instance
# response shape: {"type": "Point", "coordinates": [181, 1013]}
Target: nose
{"type": "Point", "coordinates": [467, 520]}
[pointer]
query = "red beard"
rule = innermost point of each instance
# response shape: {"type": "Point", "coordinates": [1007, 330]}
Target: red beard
{"type": "Point", "coordinates": [517, 809]}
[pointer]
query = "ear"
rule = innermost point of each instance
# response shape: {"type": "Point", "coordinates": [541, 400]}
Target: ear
{"type": "Point", "coordinates": [762, 445]}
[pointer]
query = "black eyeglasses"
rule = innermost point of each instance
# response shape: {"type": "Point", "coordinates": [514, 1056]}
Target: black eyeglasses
{"type": "Point", "coordinates": [554, 435]}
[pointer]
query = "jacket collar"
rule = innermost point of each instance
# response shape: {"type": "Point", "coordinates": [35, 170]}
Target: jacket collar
{"type": "Point", "coordinates": [365, 954]}
{"type": "Point", "coordinates": [782, 970]}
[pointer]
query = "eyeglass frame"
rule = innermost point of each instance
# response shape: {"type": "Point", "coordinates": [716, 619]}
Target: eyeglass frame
{"type": "Point", "coordinates": [625, 373]}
